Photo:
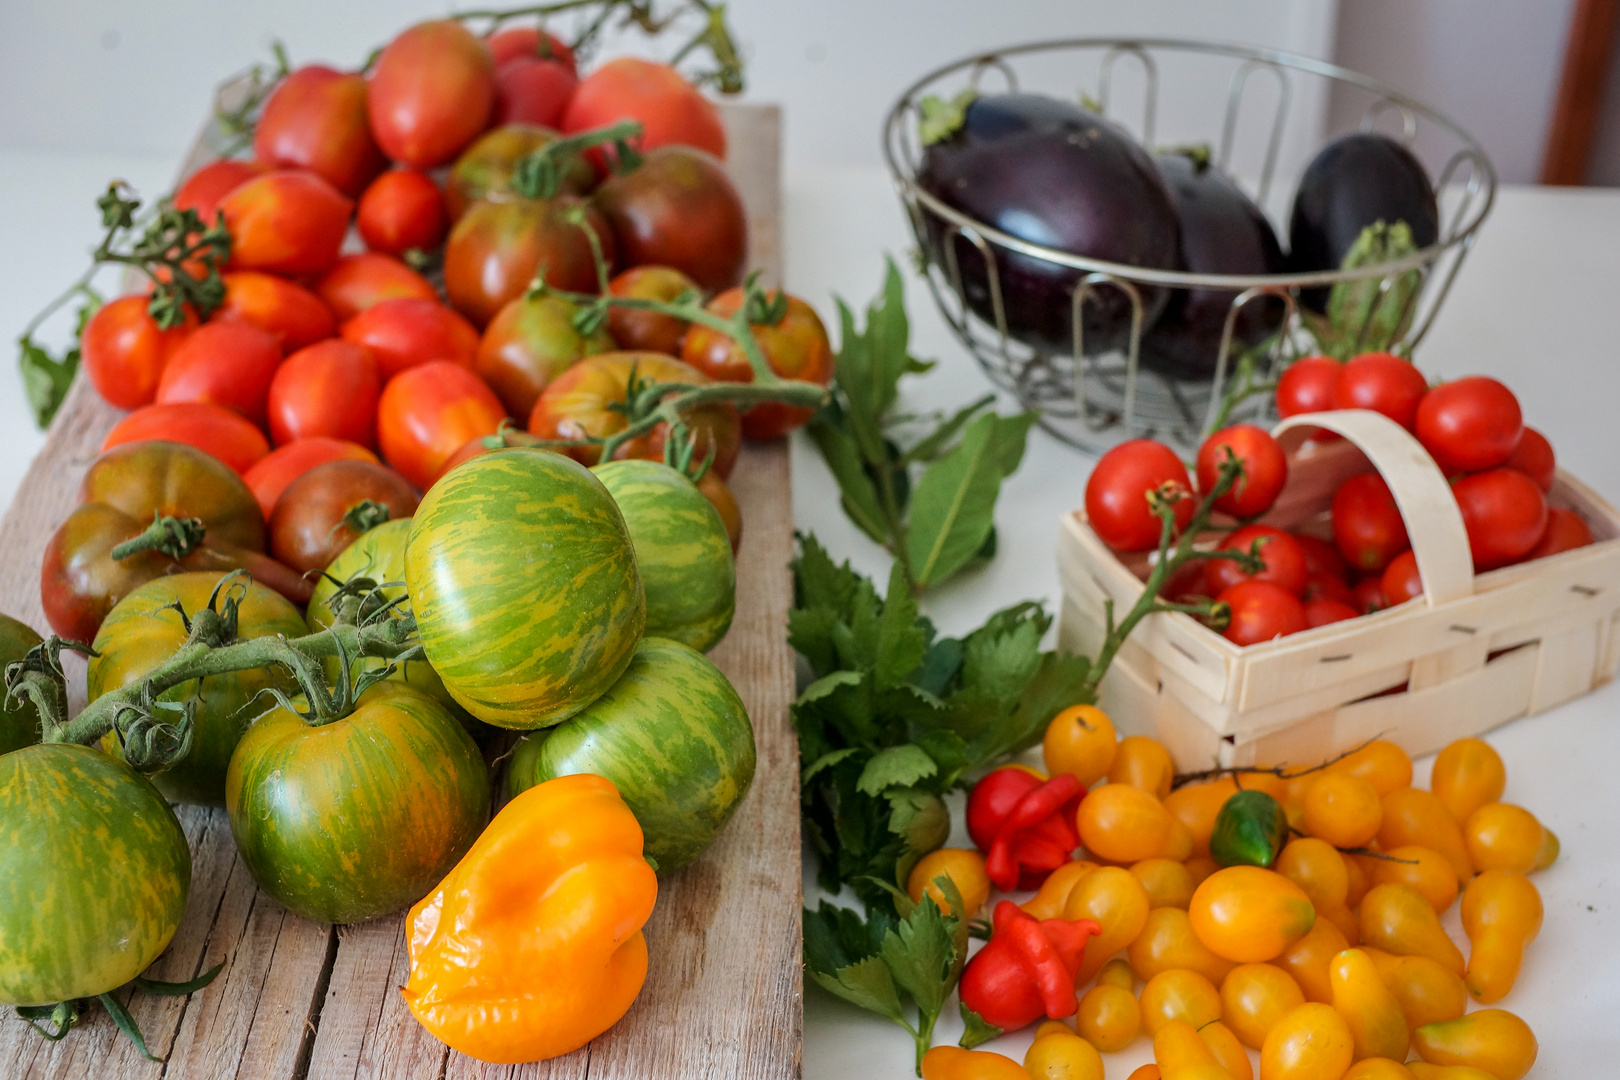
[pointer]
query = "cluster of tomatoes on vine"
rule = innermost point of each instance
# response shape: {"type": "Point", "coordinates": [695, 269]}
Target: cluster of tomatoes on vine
{"type": "Point", "coordinates": [1500, 470]}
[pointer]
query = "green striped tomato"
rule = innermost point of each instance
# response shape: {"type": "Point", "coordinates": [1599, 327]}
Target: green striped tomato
{"type": "Point", "coordinates": [144, 630]}
{"type": "Point", "coordinates": [672, 735]}
{"type": "Point", "coordinates": [682, 551]}
{"type": "Point", "coordinates": [524, 586]}
{"type": "Point", "coordinates": [94, 872]}
{"type": "Point", "coordinates": [360, 817]}
{"type": "Point", "coordinates": [19, 722]}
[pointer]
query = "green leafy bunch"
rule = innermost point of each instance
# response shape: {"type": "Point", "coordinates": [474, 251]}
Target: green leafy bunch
{"type": "Point", "coordinates": [943, 521]}
{"type": "Point", "coordinates": [897, 716]}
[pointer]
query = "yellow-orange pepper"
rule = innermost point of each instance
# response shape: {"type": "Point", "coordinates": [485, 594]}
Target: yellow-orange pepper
{"type": "Point", "coordinates": [532, 945]}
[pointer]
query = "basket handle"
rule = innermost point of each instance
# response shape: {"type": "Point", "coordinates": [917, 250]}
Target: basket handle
{"type": "Point", "coordinates": [1433, 522]}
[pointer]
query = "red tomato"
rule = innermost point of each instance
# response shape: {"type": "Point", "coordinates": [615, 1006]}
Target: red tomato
{"type": "Point", "coordinates": [1265, 469]}
{"type": "Point", "coordinates": [1505, 514]}
{"type": "Point", "coordinates": [497, 248]}
{"type": "Point", "coordinates": [1327, 587]}
{"type": "Point", "coordinates": [1469, 424]}
{"type": "Point", "coordinates": [530, 41]}
{"type": "Point", "coordinates": [796, 348]}
{"type": "Point", "coordinates": [316, 119]}
{"type": "Point", "coordinates": [529, 90]}
{"type": "Point", "coordinates": [671, 110]}
{"type": "Point", "coordinates": [225, 363]}
{"type": "Point", "coordinates": [330, 389]}
{"type": "Point", "coordinates": [678, 208]}
{"type": "Point", "coordinates": [271, 474]}
{"type": "Point", "coordinates": [124, 352]}
{"type": "Point", "coordinates": [207, 187]}
{"type": "Point", "coordinates": [1534, 457]}
{"type": "Point", "coordinates": [310, 524]}
{"type": "Point", "coordinates": [428, 413]}
{"type": "Point", "coordinates": [1565, 531]}
{"type": "Point", "coordinates": [432, 90]}
{"type": "Point", "coordinates": [211, 428]}
{"type": "Point", "coordinates": [1370, 595]}
{"type": "Point", "coordinates": [290, 313]}
{"type": "Point", "coordinates": [358, 281]}
{"type": "Point", "coordinates": [1309, 385]}
{"type": "Point", "coordinates": [1285, 562]}
{"type": "Point", "coordinates": [1118, 488]}
{"type": "Point", "coordinates": [1323, 611]}
{"type": "Point", "coordinates": [404, 333]}
{"type": "Point", "coordinates": [1321, 557]}
{"type": "Point", "coordinates": [1261, 611]}
{"type": "Point", "coordinates": [1384, 383]}
{"type": "Point", "coordinates": [1367, 524]}
{"type": "Point", "coordinates": [402, 210]}
{"type": "Point", "coordinates": [1401, 582]}
{"type": "Point", "coordinates": [649, 331]}
{"type": "Point", "coordinates": [287, 222]}
{"type": "Point", "coordinates": [1187, 583]}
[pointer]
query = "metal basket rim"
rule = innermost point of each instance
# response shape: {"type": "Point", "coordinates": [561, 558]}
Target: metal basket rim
{"type": "Point", "coordinates": [1463, 235]}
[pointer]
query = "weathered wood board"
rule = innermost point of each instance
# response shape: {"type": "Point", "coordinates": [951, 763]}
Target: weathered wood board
{"type": "Point", "coordinates": [723, 997]}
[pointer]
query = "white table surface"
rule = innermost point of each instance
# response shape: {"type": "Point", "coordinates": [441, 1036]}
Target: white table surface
{"type": "Point", "coordinates": [1534, 306]}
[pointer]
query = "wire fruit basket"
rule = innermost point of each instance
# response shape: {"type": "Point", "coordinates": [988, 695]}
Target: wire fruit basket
{"type": "Point", "coordinates": [1094, 395]}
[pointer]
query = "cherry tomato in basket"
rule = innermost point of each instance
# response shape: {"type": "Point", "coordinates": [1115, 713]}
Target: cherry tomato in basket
{"type": "Point", "coordinates": [486, 167]}
{"type": "Point", "coordinates": [316, 119]}
{"type": "Point", "coordinates": [429, 412]}
{"type": "Point", "coordinates": [649, 331]}
{"type": "Point", "coordinates": [1320, 612]}
{"type": "Point", "coordinates": [1261, 611]}
{"type": "Point", "coordinates": [1309, 385]}
{"type": "Point", "coordinates": [1469, 424]}
{"type": "Point", "coordinates": [403, 210]}
{"type": "Point", "coordinates": [1369, 594]}
{"type": "Point", "coordinates": [325, 510]}
{"type": "Point", "coordinates": [678, 208]}
{"type": "Point", "coordinates": [1565, 531]}
{"type": "Point", "coordinates": [1327, 587]}
{"type": "Point", "coordinates": [211, 428]}
{"type": "Point", "coordinates": [286, 222]}
{"type": "Point", "coordinates": [124, 351]}
{"type": "Point", "coordinates": [497, 248]}
{"type": "Point", "coordinates": [1117, 494]}
{"type": "Point", "coordinates": [226, 363]}
{"type": "Point", "coordinates": [327, 389]}
{"type": "Point", "coordinates": [290, 313]}
{"type": "Point", "coordinates": [671, 110]}
{"type": "Point", "coordinates": [528, 344]}
{"type": "Point", "coordinates": [530, 90]}
{"type": "Point", "coordinates": [432, 91]}
{"type": "Point", "coordinates": [1322, 557]}
{"type": "Point", "coordinates": [530, 41]}
{"type": "Point", "coordinates": [367, 278]}
{"type": "Point", "coordinates": [1401, 582]}
{"type": "Point", "coordinates": [1534, 457]}
{"type": "Point", "coordinates": [1367, 524]}
{"type": "Point", "coordinates": [1384, 383]}
{"type": "Point", "coordinates": [1187, 582]}
{"type": "Point", "coordinates": [1505, 515]}
{"type": "Point", "coordinates": [271, 474]}
{"type": "Point", "coordinates": [1265, 469]}
{"type": "Point", "coordinates": [795, 346]}
{"type": "Point", "coordinates": [205, 188]}
{"type": "Point", "coordinates": [404, 333]}
{"type": "Point", "coordinates": [1284, 561]}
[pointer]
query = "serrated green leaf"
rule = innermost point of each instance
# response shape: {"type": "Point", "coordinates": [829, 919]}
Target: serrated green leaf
{"type": "Point", "coordinates": [827, 761]}
{"type": "Point", "coordinates": [954, 503]}
{"type": "Point", "coordinates": [811, 632]}
{"type": "Point", "coordinates": [866, 984]}
{"type": "Point", "coordinates": [855, 488]}
{"type": "Point", "coordinates": [919, 953]}
{"type": "Point", "coordinates": [920, 820]}
{"type": "Point", "coordinates": [836, 937]}
{"type": "Point", "coordinates": [902, 642]}
{"type": "Point", "coordinates": [896, 766]}
{"type": "Point", "coordinates": [827, 684]}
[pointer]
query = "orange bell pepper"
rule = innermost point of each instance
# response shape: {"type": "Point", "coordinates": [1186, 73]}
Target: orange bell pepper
{"type": "Point", "coordinates": [532, 945]}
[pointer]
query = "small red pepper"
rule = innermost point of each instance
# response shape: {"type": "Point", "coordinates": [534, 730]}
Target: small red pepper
{"type": "Point", "coordinates": [1025, 825]}
{"type": "Point", "coordinates": [1027, 968]}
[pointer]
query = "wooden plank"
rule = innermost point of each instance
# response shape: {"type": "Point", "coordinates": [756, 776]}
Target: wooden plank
{"type": "Point", "coordinates": [1588, 55]}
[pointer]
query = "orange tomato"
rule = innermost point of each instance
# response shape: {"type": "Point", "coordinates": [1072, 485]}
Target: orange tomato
{"type": "Point", "coordinates": [1381, 763]}
{"type": "Point", "coordinates": [1377, 1024]}
{"type": "Point", "coordinates": [1143, 763]}
{"type": "Point", "coordinates": [1411, 816]}
{"type": "Point", "coordinates": [1168, 882]}
{"type": "Point", "coordinates": [1080, 741]}
{"type": "Point", "coordinates": [1254, 997]}
{"type": "Point", "coordinates": [1501, 836]}
{"type": "Point", "coordinates": [1311, 1043]}
{"type": "Point", "coordinates": [1421, 868]}
{"type": "Point", "coordinates": [1397, 919]}
{"type": "Point", "coordinates": [1116, 901]}
{"type": "Point", "coordinates": [1109, 1017]}
{"type": "Point", "coordinates": [1494, 1040]}
{"type": "Point", "coordinates": [1426, 989]}
{"type": "Point", "coordinates": [1467, 774]}
{"type": "Point", "coordinates": [1197, 805]}
{"type": "Point", "coordinates": [1501, 914]}
{"type": "Point", "coordinates": [1342, 809]}
{"type": "Point", "coordinates": [1308, 959]}
{"type": "Point", "coordinates": [963, 866]}
{"type": "Point", "coordinates": [1249, 915]}
{"type": "Point", "coordinates": [1167, 941]}
{"type": "Point", "coordinates": [1063, 1055]}
{"type": "Point", "coordinates": [1124, 824]}
{"type": "Point", "coordinates": [1179, 994]}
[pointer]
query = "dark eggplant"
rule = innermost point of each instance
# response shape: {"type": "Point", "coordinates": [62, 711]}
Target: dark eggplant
{"type": "Point", "coordinates": [1053, 174]}
{"type": "Point", "coordinates": [1222, 232]}
{"type": "Point", "coordinates": [1355, 181]}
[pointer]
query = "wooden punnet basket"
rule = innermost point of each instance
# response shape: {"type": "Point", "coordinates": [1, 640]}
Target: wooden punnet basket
{"type": "Point", "coordinates": [1474, 652]}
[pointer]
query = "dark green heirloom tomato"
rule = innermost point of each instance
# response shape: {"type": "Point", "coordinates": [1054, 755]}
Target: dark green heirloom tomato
{"type": "Point", "coordinates": [524, 585]}
{"type": "Point", "coordinates": [144, 630]}
{"type": "Point", "coordinates": [1250, 830]}
{"type": "Point", "coordinates": [94, 872]}
{"type": "Point", "coordinates": [674, 738]}
{"type": "Point", "coordinates": [19, 721]}
{"type": "Point", "coordinates": [360, 817]}
{"type": "Point", "coordinates": [682, 551]}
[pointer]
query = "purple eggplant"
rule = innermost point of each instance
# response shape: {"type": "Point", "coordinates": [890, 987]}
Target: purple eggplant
{"type": "Point", "coordinates": [1052, 174]}
{"type": "Point", "coordinates": [1222, 232]}
{"type": "Point", "coordinates": [1354, 181]}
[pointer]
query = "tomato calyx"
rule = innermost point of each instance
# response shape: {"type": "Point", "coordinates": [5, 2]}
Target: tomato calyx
{"type": "Point", "coordinates": [365, 515]}
{"type": "Point", "coordinates": [540, 174]}
{"type": "Point", "coordinates": [64, 1016]}
{"type": "Point", "coordinates": [174, 537]}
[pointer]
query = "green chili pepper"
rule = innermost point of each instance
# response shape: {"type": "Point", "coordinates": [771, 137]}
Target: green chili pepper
{"type": "Point", "coordinates": [1249, 831]}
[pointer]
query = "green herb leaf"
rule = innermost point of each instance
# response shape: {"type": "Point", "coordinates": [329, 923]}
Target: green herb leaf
{"type": "Point", "coordinates": [827, 761]}
{"type": "Point", "coordinates": [46, 379]}
{"type": "Point", "coordinates": [902, 640]}
{"type": "Point", "coordinates": [897, 766]}
{"type": "Point", "coordinates": [855, 487]}
{"type": "Point", "coordinates": [919, 953]}
{"type": "Point", "coordinates": [865, 983]}
{"type": "Point", "coordinates": [954, 504]}
{"type": "Point", "coordinates": [939, 440]}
